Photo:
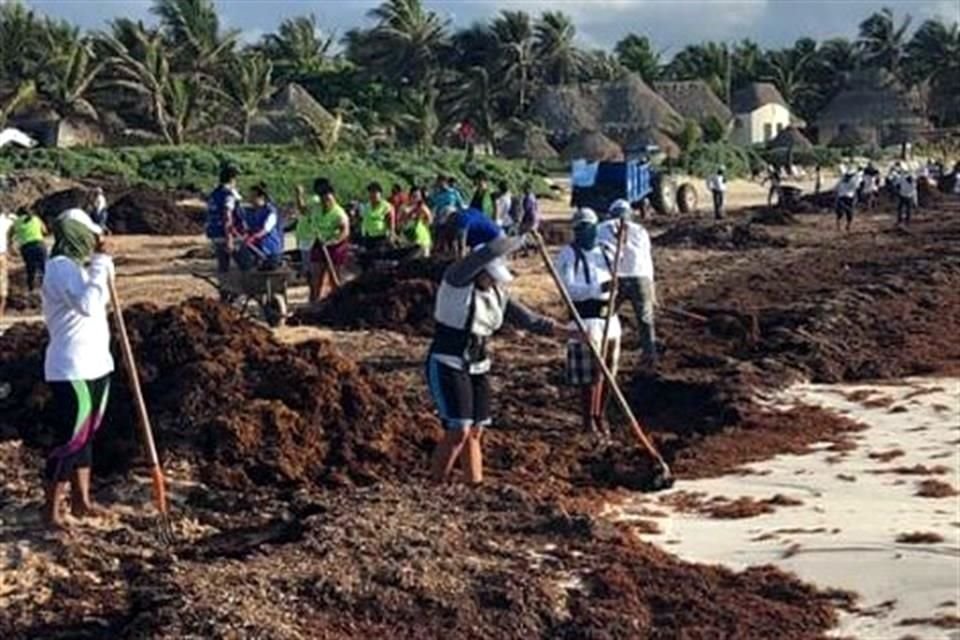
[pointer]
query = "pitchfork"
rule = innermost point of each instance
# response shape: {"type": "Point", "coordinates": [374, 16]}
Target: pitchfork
{"type": "Point", "coordinates": [165, 529]}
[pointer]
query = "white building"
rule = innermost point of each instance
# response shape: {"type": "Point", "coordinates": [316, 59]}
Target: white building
{"type": "Point", "coordinates": [759, 114]}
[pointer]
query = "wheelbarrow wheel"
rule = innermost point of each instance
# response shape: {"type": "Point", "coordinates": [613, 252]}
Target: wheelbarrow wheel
{"type": "Point", "coordinates": [275, 310]}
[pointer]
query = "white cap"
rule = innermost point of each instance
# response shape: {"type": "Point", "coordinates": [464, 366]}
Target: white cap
{"type": "Point", "coordinates": [81, 216]}
{"type": "Point", "coordinates": [620, 207]}
{"type": "Point", "coordinates": [499, 271]}
{"type": "Point", "coordinates": [586, 215]}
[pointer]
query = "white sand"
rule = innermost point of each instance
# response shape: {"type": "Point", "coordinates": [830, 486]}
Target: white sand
{"type": "Point", "coordinates": [845, 532]}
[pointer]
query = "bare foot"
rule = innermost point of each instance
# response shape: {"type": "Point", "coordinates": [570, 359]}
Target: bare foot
{"type": "Point", "coordinates": [54, 522]}
{"type": "Point", "coordinates": [91, 510]}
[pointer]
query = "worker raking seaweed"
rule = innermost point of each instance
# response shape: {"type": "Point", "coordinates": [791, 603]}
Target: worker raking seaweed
{"type": "Point", "coordinates": [78, 363]}
{"type": "Point", "coordinates": [586, 268]}
{"type": "Point", "coordinates": [326, 227]}
{"type": "Point", "coordinates": [472, 304]}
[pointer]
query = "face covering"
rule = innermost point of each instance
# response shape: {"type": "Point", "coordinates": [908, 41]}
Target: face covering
{"type": "Point", "coordinates": [73, 240]}
{"type": "Point", "coordinates": [585, 236]}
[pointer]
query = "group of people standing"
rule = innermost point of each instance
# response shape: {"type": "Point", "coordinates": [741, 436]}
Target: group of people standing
{"type": "Point", "coordinates": [862, 187]}
{"type": "Point", "coordinates": [251, 235]}
{"type": "Point", "coordinates": [473, 303]}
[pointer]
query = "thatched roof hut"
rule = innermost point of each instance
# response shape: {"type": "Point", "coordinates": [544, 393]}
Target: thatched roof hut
{"type": "Point", "coordinates": [592, 146]}
{"type": "Point", "coordinates": [640, 142]}
{"type": "Point", "coordinates": [530, 144]}
{"type": "Point", "coordinates": [284, 118]}
{"type": "Point", "coordinates": [694, 100]}
{"type": "Point", "coordinates": [791, 138]}
{"type": "Point", "coordinates": [877, 107]}
{"type": "Point", "coordinates": [756, 95]}
{"type": "Point", "coordinates": [617, 109]}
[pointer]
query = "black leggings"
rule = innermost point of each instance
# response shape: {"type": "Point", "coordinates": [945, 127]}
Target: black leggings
{"type": "Point", "coordinates": [34, 257]}
{"type": "Point", "coordinates": [77, 412]}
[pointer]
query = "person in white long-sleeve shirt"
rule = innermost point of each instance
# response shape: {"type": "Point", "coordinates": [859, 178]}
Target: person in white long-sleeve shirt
{"type": "Point", "coordinates": [78, 363]}
{"type": "Point", "coordinates": [846, 197]}
{"type": "Point", "coordinates": [586, 268]}
{"type": "Point", "coordinates": [717, 184]}
{"type": "Point", "coordinates": [636, 281]}
{"type": "Point", "coordinates": [907, 198]}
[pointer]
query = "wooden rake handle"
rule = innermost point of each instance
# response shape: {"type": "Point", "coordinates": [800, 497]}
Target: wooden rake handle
{"type": "Point", "coordinates": [143, 418]}
{"type": "Point", "coordinates": [604, 369]}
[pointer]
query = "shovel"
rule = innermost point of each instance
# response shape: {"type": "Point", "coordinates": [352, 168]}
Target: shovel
{"type": "Point", "coordinates": [159, 482]}
{"type": "Point", "coordinates": [662, 480]}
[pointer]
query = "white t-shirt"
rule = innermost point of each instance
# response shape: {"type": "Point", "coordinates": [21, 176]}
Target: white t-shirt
{"type": "Point", "coordinates": [75, 311]}
{"type": "Point", "coordinates": [575, 278]}
{"type": "Point", "coordinates": [717, 182]}
{"type": "Point", "coordinates": [503, 205]}
{"type": "Point", "coordinates": [6, 223]}
{"type": "Point", "coordinates": [636, 261]}
{"type": "Point", "coordinates": [847, 187]}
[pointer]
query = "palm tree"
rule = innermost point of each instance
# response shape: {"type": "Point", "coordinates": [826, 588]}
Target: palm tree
{"type": "Point", "coordinates": [20, 38]}
{"type": "Point", "coordinates": [405, 46]}
{"type": "Point", "coordinates": [934, 60]}
{"type": "Point", "coordinates": [788, 70]}
{"type": "Point", "coordinates": [516, 42]}
{"type": "Point", "coordinates": [559, 58]}
{"type": "Point", "coordinates": [710, 62]}
{"type": "Point", "coordinates": [185, 101]}
{"type": "Point", "coordinates": [68, 76]}
{"type": "Point", "coordinates": [141, 66]}
{"type": "Point", "coordinates": [601, 66]}
{"type": "Point", "coordinates": [882, 42]}
{"type": "Point", "coordinates": [747, 58]}
{"type": "Point", "coordinates": [637, 54]}
{"type": "Point", "coordinates": [298, 48]}
{"type": "Point", "coordinates": [192, 28]}
{"type": "Point", "coordinates": [469, 96]}
{"type": "Point", "coordinates": [248, 85]}
{"type": "Point", "coordinates": [25, 94]}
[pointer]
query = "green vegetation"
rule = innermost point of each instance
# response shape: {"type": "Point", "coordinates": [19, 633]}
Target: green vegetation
{"type": "Point", "coordinates": [282, 168]}
{"type": "Point", "coordinates": [406, 77]}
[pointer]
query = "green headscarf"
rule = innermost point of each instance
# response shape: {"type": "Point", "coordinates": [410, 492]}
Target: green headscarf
{"type": "Point", "coordinates": [73, 240]}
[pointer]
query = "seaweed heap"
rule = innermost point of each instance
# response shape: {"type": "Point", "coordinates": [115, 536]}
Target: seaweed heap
{"type": "Point", "coordinates": [222, 390]}
{"type": "Point", "coordinates": [398, 299]}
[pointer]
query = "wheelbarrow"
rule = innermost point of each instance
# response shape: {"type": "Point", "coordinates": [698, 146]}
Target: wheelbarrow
{"type": "Point", "coordinates": [267, 289]}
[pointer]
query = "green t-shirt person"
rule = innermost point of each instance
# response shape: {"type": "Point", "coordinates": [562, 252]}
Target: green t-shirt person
{"type": "Point", "coordinates": [376, 217]}
{"type": "Point", "coordinates": [28, 229]}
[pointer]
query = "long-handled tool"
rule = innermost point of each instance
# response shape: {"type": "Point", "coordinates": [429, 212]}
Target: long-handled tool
{"type": "Point", "coordinates": [331, 268]}
{"type": "Point", "coordinates": [612, 306]}
{"type": "Point", "coordinates": [159, 482]}
{"type": "Point", "coordinates": [664, 479]}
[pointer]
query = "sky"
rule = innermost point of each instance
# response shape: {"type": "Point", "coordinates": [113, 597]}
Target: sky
{"type": "Point", "coordinates": [670, 24]}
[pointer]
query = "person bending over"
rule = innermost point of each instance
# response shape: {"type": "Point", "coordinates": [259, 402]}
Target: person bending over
{"type": "Point", "coordinates": [472, 304]}
{"type": "Point", "coordinates": [262, 246]}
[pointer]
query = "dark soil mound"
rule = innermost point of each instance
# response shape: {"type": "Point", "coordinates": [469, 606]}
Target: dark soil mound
{"type": "Point", "coordinates": [727, 236]}
{"type": "Point", "coordinates": [222, 390]}
{"type": "Point", "coordinates": [139, 209]}
{"type": "Point", "coordinates": [19, 299]}
{"type": "Point", "coordinates": [772, 216]}
{"type": "Point", "coordinates": [398, 299]}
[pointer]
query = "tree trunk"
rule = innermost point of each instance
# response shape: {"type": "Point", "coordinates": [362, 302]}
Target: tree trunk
{"type": "Point", "coordinates": [246, 127]}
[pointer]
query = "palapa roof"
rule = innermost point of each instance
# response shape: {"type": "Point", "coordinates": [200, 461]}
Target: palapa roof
{"type": "Point", "coordinates": [873, 97]}
{"type": "Point", "coordinates": [529, 145]}
{"type": "Point", "coordinates": [791, 137]}
{"type": "Point", "coordinates": [755, 95]}
{"type": "Point", "coordinates": [694, 100]}
{"type": "Point", "coordinates": [615, 108]}
{"type": "Point", "coordinates": [643, 139]}
{"type": "Point", "coordinates": [592, 146]}
{"type": "Point", "coordinates": [281, 119]}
